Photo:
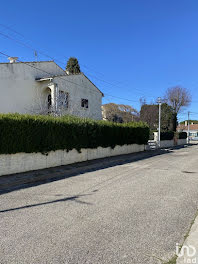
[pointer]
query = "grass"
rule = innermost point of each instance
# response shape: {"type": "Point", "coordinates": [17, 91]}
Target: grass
{"type": "Point", "coordinates": [171, 261]}
{"type": "Point", "coordinates": [187, 234]}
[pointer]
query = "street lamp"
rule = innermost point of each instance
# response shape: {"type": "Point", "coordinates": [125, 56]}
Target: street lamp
{"type": "Point", "coordinates": [159, 127]}
{"type": "Point", "coordinates": [188, 128]}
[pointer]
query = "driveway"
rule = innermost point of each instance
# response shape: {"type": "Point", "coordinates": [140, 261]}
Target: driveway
{"type": "Point", "coordinates": [133, 212]}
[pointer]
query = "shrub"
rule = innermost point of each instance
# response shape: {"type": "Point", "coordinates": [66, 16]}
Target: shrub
{"type": "Point", "coordinates": [28, 133]}
{"type": "Point", "coordinates": [168, 135]}
{"type": "Point", "coordinates": [182, 135]}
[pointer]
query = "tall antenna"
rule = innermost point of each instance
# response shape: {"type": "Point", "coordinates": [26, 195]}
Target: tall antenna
{"type": "Point", "coordinates": [36, 55]}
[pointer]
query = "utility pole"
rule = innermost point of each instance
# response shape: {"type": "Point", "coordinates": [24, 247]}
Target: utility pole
{"type": "Point", "coordinates": [159, 128]}
{"type": "Point", "coordinates": [188, 127]}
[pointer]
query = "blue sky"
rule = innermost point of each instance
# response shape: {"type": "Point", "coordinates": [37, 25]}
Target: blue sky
{"type": "Point", "coordinates": [129, 48]}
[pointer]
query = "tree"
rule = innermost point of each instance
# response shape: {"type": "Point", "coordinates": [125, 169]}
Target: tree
{"type": "Point", "coordinates": [166, 117]}
{"type": "Point", "coordinates": [119, 113]}
{"type": "Point", "coordinates": [150, 115]}
{"type": "Point", "coordinates": [73, 66]}
{"type": "Point", "coordinates": [178, 98]}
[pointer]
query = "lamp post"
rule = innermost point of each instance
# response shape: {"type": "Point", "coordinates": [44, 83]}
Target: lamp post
{"type": "Point", "coordinates": [188, 127]}
{"type": "Point", "coordinates": [159, 127]}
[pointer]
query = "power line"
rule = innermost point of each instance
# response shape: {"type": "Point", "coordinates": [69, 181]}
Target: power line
{"type": "Point", "coordinates": [44, 71]}
{"type": "Point", "coordinates": [30, 47]}
{"type": "Point", "coordinates": [55, 59]}
{"type": "Point", "coordinates": [6, 55]}
{"type": "Point", "coordinates": [11, 29]}
{"type": "Point", "coordinates": [27, 46]}
{"type": "Point", "coordinates": [121, 98]}
{"type": "Point", "coordinates": [115, 84]}
{"type": "Point", "coordinates": [52, 58]}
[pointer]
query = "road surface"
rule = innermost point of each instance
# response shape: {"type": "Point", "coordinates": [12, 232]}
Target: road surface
{"type": "Point", "coordinates": [133, 212]}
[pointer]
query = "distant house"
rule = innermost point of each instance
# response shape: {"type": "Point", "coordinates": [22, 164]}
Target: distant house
{"type": "Point", "coordinates": [43, 88]}
{"type": "Point", "coordinates": [193, 129]}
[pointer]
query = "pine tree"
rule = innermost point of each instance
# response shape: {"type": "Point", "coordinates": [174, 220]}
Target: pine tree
{"type": "Point", "coordinates": [73, 66]}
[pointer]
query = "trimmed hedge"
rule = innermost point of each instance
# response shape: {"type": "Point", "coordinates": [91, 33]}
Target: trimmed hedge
{"type": "Point", "coordinates": [168, 135]}
{"type": "Point", "coordinates": [182, 135]}
{"type": "Point", "coordinates": [28, 133]}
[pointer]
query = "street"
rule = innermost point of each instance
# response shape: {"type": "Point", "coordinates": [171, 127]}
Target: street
{"type": "Point", "coordinates": [134, 212]}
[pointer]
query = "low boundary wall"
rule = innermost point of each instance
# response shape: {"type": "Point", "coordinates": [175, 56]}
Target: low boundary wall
{"type": "Point", "coordinates": [22, 162]}
{"type": "Point", "coordinates": [166, 143]}
{"type": "Point", "coordinates": [171, 143]}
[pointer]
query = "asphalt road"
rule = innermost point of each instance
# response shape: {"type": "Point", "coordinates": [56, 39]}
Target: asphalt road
{"type": "Point", "coordinates": [130, 213]}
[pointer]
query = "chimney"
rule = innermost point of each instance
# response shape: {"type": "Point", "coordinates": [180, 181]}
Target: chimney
{"type": "Point", "coordinates": [13, 59]}
{"type": "Point", "coordinates": [186, 123]}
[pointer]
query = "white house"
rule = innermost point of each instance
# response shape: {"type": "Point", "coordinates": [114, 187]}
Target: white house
{"type": "Point", "coordinates": [193, 129]}
{"type": "Point", "coordinates": [44, 87]}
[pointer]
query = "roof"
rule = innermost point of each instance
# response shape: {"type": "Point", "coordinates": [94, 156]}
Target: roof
{"type": "Point", "coordinates": [25, 62]}
{"type": "Point", "coordinates": [92, 83]}
{"type": "Point", "coordinates": [52, 76]}
{"type": "Point", "coordinates": [192, 127]}
{"type": "Point", "coordinates": [28, 62]}
{"type": "Point", "coordinates": [56, 76]}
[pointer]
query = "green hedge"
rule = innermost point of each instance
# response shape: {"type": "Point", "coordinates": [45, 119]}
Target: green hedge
{"type": "Point", "coordinates": [168, 135]}
{"type": "Point", "coordinates": [182, 135]}
{"type": "Point", "coordinates": [27, 133]}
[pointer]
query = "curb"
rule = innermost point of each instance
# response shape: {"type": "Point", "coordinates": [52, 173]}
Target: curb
{"type": "Point", "coordinates": [189, 250]}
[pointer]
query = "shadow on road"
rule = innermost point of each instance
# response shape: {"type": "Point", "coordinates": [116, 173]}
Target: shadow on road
{"type": "Point", "coordinates": [15, 182]}
{"type": "Point", "coordinates": [71, 198]}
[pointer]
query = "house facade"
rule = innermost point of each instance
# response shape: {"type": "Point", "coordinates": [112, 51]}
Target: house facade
{"type": "Point", "coordinates": [44, 88]}
{"type": "Point", "coordinates": [193, 129]}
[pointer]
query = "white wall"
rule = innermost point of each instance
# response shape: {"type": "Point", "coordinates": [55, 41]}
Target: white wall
{"type": "Point", "coordinates": [182, 141]}
{"type": "Point", "coordinates": [18, 86]}
{"type": "Point", "coordinates": [171, 143]}
{"type": "Point", "coordinates": [21, 93]}
{"type": "Point", "coordinates": [21, 162]}
{"type": "Point", "coordinates": [79, 87]}
{"type": "Point", "coordinates": [166, 143]}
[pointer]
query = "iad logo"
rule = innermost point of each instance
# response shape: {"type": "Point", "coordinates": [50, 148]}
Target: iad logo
{"type": "Point", "coordinates": [188, 252]}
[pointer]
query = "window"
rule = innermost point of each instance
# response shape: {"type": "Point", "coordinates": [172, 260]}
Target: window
{"type": "Point", "coordinates": [63, 99]}
{"type": "Point", "coordinates": [49, 101]}
{"type": "Point", "coordinates": [84, 103]}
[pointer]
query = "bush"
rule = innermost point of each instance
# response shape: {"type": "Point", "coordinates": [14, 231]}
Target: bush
{"type": "Point", "coordinates": [168, 135]}
{"type": "Point", "coordinates": [27, 133]}
{"type": "Point", "coordinates": [182, 135]}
